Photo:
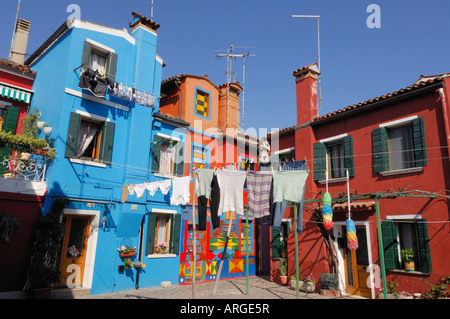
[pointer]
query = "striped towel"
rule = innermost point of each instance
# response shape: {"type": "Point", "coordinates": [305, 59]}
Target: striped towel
{"type": "Point", "coordinates": [258, 187]}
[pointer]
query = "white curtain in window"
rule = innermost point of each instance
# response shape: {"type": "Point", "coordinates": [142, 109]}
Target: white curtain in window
{"type": "Point", "coordinates": [165, 159]}
{"type": "Point", "coordinates": [162, 228]}
{"type": "Point", "coordinates": [98, 62]}
{"type": "Point", "coordinates": [86, 134]}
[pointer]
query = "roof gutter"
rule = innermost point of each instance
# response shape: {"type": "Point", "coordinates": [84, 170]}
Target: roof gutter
{"type": "Point", "coordinates": [395, 99]}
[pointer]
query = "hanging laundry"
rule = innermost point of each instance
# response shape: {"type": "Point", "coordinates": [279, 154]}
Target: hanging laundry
{"type": "Point", "coordinates": [258, 186]}
{"type": "Point", "coordinates": [203, 189]}
{"type": "Point", "coordinates": [91, 80]}
{"type": "Point", "coordinates": [214, 202]}
{"type": "Point", "coordinates": [130, 190]}
{"type": "Point", "coordinates": [152, 187]}
{"type": "Point", "coordinates": [164, 186]}
{"type": "Point", "coordinates": [294, 166]}
{"type": "Point", "coordinates": [140, 189]}
{"type": "Point", "coordinates": [288, 185]}
{"type": "Point", "coordinates": [180, 192]}
{"type": "Point", "coordinates": [231, 185]}
{"type": "Point", "coordinates": [124, 193]}
{"type": "Point", "coordinates": [128, 93]}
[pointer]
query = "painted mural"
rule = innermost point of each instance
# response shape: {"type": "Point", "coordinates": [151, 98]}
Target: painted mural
{"type": "Point", "coordinates": [210, 246]}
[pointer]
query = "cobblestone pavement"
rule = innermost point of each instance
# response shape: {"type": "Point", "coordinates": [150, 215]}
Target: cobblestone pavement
{"type": "Point", "coordinates": [259, 288]}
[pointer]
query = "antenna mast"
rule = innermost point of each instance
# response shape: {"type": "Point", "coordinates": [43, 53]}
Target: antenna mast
{"type": "Point", "coordinates": [229, 55]}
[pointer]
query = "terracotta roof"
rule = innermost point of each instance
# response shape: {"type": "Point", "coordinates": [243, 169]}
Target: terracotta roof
{"type": "Point", "coordinates": [17, 66]}
{"type": "Point", "coordinates": [421, 83]}
{"type": "Point", "coordinates": [179, 76]}
{"type": "Point", "coordinates": [361, 205]}
{"type": "Point", "coordinates": [312, 67]}
{"type": "Point", "coordinates": [145, 21]}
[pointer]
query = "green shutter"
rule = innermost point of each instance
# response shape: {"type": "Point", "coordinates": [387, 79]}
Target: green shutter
{"type": "Point", "coordinates": [87, 47]}
{"type": "Point", "coordinates": [106, 147]}
{"type": "Point", "coordinates": [380, 150]}
{"type": "Point", "coordinates": [151, 233]}
{"type": "Point", "coordinates": [111, 66]}
{"type": "Point", "coordinates": [320, 161]}
{"type": "Point", "coordinates": [175, 233]}
{"type": "Point", "coordinates": [390, 244]}
{"type": "Point", "coordinates": [419, 142]}
{"type": "Point", "coordinates": [72, 135]}
{"type": "Point", "coordinates": [10, 119]}
{"type": "Point", "coordinates": [276, 243]}
{"type": "Point", "coordinates": [179, 160]}
{"type": "Point", "coordinates": [349, 162]}
{"type": "Point", "coordinates": [156, 153]}
{"type": "Point", "coordinates": [423, 244]}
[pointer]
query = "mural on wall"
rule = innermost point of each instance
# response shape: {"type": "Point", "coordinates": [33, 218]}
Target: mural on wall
{"type": "Point", "coordinates": [210, 245]}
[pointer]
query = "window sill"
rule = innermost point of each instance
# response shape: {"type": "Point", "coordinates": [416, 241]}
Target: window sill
{"type": "Point", "coordinates": [161, 256]}
{"type": "Point", "coordinates": [402, 171]}
{"type": "Point", "coordinates": [334, 180]}
{"type": "Point", "coordinates": [85, 162]}
{"type": "Point", "coordinates": [402, 271]}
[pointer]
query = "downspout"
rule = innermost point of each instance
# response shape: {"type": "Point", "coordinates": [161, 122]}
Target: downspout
{"type": "Point", "coordinates": [381, 248]}
{"type": "Point", "coordinates": [179, 99]}
{"type": "Point", "coordinates": [446, 125]}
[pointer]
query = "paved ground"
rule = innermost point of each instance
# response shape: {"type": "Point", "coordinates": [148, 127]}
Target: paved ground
{"type": "Point", "coordinates": [259, 288]}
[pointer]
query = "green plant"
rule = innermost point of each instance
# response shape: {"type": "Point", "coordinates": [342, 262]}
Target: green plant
{"type": "Point", "coordinates": [29, 123]}
{"type": "Point", "coordinates": [43, 269]}
{"type": "Point", "coordinates": [125, 249]}
{"type": "Point", "coordinates": [8, 224]}
{"type": "Point", "coordinates": [128, 263]}
{"type": "Point", "coordinates": [407, 255]}
{"type": "Point", "coordinates": [440, 290]}
{"type": "Point", "coordinates": [283, 266]}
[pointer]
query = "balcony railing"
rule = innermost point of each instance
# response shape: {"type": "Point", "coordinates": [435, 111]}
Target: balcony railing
{"type": "Point", "coordinates": [30, 167]}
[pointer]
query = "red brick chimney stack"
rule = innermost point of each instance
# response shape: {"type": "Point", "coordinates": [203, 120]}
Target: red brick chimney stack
{"type": "Point", "coordinates": [306, 88]}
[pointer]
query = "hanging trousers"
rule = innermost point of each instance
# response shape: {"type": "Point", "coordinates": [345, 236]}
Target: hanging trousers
{"type": "Point", "coordinates": [213, 206]}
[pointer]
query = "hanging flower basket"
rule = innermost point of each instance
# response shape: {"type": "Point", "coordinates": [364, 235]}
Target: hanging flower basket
{"type": "Point", "coordinates": [126, 251]}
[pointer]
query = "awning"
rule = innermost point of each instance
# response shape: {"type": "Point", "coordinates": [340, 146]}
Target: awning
{"type": "Point", "coordinates": [358, 205]}
{"type": "Point", "coordinates": [15, 94]}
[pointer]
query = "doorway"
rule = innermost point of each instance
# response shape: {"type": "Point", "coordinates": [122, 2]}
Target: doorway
{"type": "Point", "coordinates": [356, 265]}
{"type": "Point", "coordinates": [74, 249]}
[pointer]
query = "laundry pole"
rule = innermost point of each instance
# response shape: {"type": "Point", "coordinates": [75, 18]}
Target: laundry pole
{"type": "Point", "coordinates": [296, 251]}
{"type": "Point", "coordinates": [247, 235]}
{"type": "Point", "coordinates": [194, 239]}
{"type": "Point", "coordinates": [224, 251]}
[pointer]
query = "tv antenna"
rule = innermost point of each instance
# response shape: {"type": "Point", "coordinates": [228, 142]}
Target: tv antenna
{"type": "Point", "coordinates": [230, 55]}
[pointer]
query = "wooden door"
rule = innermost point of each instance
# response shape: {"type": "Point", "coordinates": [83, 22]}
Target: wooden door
{"type": "Point", "coordinates": [74, 249]}
{"type": "Point", "coordinates": [356, 263]}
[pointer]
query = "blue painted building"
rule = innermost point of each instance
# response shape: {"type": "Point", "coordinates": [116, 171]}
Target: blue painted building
{"type": "Point", "coordinates": [98, 88]}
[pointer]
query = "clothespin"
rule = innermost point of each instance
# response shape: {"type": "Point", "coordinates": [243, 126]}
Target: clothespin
{"type": "Point", "coordinates": [307, 168]}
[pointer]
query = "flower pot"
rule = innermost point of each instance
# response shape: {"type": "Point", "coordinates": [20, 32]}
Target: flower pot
{"type": "Point", "coordinates": [409, 265]}
{"type": "Point", "coordinates": [128, 254]}
{"type": "Point", "coordinates": [293, 282]}
{"type": "Point", "coordinates": [283, 280]}
{"type": "Point", "coordinates": [308, 287]}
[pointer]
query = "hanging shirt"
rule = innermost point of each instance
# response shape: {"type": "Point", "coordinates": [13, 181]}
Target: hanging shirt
{"type": "Point", "coordinates": [231, 184]}
{"type": "Point", "coordinates": [258, 186]}
{"type": "Point", "coordinates": [289, 185]}
{"type": "Point", "coordinates": [203, 185]}
{"type": "Point", "coordinates": [180, 191]}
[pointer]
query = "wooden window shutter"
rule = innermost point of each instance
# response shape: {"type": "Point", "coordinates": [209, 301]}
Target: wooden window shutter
{"type": "Point", "coordinates": [390, 244]}
{"type": "Point", "coordinates": [320, 161]}
{"type": "Point", "coordinates": [276, 243]}
{"type": "Point", "coordinates": [156, 153]}
{"type": "Point", "coordinates": [349, 162]}
{"type": "Point", "coordinates": [111, 66]}
{"type": "Point", "coordinates": [107, 144]}
{"type": "Point", "coordinates": [151, 233]}
{"type": "Point", "coordinates": [419, 142]}
{"type": "Point", "coordinates": [86, 56]}
{"type": "Point", "coordinates": [175, 233]}
{"type": "Point", "coordinates": [72, 135]}
{"type": "Point", "coordinates": [179, 160]}
{"type": "Point", "coordinates": [380, 150]}
{"type": "Point", "coordinates": [423, 244]}
{"type": "Point", "coordinates": [10, 119]}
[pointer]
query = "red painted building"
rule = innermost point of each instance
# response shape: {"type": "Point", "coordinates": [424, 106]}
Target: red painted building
{"type": "Point", "coordinates": [20, 199]}
{"type": "Point", "coordinates": [396, 150]}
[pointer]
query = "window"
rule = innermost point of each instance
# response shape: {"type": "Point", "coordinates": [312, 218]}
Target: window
{"type": "Point", "coordinates": [202, 104]}
{"type": "Point", "coordinates": [405, 234]}
{"type": "Point", "coordinates": [279, 239]}
{"type": "Point", "coordinates": [163, 227]}
{"type": "Point", "coordinates": [167, 156]}
{"type": "Point", "coordinates": [334, 156]}
{"type": "Point", "coordinates": [399, 146]}
{"type": "Point", "coordinates": [200, 156]}
{"type": "Point", "coordinates": [90, 138]}
{"type": "Point", "coordinates": [99, 58]}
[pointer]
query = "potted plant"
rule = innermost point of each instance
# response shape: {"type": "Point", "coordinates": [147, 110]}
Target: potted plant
{"type": "Point", "coordinates": [283, 271]}
{"type": "Point", "coordinates": [43, 269]}
{"type": "Point", "coordinates": [128, 263]}
{"type": "Point", "coordinates": [126, 251]}
{"type": "Point", "coordinates": [408, 259]}
{"type": "Point", "coordinates": [309, 284]}
{"type": "Point", "coordinates": [293, 282]}
{"type": "Point", "coordinates": [161, 247]}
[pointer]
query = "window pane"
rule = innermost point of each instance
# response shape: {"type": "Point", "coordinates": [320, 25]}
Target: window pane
{"type": "Point", "coordinates": [201, 106]}
{"type": "Point", "coordinates": [336, 161]}
{"type": "Point", "coordinates": [88, 139]}
{"type": "Point", "coordinates": [166, 159]}
{"type": "Point", "coordinates": [98, 62]}
{"type": "Point", "coordinates": [401, 153]}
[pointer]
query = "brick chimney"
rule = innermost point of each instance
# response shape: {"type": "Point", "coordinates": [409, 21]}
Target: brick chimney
{"type": "Point", "coordinates": [229, 118]}
{"type": "Point", "coordinates": [306, 88]}
{"type": "Point", "coordinates": [20, 41]}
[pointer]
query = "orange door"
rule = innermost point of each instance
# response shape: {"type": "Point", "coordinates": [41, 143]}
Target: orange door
{"type": "Point", "coordinates": [73, 253]}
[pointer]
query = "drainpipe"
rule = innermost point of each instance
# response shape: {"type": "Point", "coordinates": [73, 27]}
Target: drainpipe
{"type": "Point", "coordinates": [446, 124]}
{"type": "Point", "coordinates": [381, 248]}
{"type": "Point", "coordinates": [179, 99]}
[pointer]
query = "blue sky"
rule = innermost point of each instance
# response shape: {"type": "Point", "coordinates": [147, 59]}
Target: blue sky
{"type": "Point", "coordinates": [358, 63]}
